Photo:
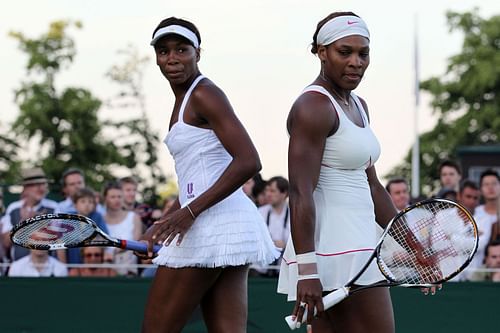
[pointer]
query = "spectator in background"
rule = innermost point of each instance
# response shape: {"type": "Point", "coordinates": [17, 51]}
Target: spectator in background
{"type": "Point", "coordinates": [92, 256]}
{"type": "Point", "coordinates": [450, 175]}
{"type": "Point", "coordinates": [399, 191]}
{"type": "Point", "coordinates": [32, 203]}
{"type": "Point", "coordinates": [468, 195]}
{"type": "Point", "coordinates": [259, 191]}
{"type": "Point", "coordinates": [2, 249]}
{"type": "Point", "coordinates": [253, 187]}
{"type": "Point", "coordinates": [129, 188]}
{"type": "Point", "coordinates": [486, 215]}
{"type": "Point", "coordinates": [447, 193]}
{"type": "Point", "coordinates": [491, 261]}
{"type": "Point", "coordinates": [276, 214]}
{"type": "Point", "coordinates": [72, 180]}
{"type": "Point", "coordinates": [85, 204]}
{"type": "Point", "coordinates": [38, 264]}
{"type": "Point", "coordinates": [2, 206]}
{"type": "Point", "coordinates": [248, 188]}
{"type": "Point", "coordinates": [121, 224]}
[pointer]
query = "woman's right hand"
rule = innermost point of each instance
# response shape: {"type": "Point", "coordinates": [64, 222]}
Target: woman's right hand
{"type": "Point", "coordinates": [147, 239]}
{"type": "Point", "coordinates": [310, 297]}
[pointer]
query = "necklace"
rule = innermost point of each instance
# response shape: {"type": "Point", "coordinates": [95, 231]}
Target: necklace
{"type": "Point", "coordinates": [343, 100]}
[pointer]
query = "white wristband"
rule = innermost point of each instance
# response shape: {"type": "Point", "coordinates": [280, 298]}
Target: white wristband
{"type": "Point", "coordinates": [308, 277]}
{"type": "Point", "coordinates": [306, 258]}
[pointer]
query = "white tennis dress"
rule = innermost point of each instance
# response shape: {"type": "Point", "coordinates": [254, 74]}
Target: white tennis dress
{"type": "Point", "coordinates": [230, 233]}
{"type": "Point", "coordinates": [346, 231]}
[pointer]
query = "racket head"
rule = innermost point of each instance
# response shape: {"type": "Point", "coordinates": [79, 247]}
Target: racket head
{"type": "Point", "coordinates": [445, 232]}
{"type": "Point", "coordinates": [54, 231]}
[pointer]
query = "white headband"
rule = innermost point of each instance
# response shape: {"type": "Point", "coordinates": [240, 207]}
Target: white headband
{"type": "Point", "coordinates": [340, 27]}
{"type": "Point", "coordinates": [177, 30]}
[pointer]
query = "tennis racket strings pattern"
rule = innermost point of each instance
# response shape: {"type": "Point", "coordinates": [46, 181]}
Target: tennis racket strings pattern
{"type": "Point", "coordinates": [429, 243]}
{"type": "Point", "coordinates": [426, 244]}
{"type": "Point", "coordinates": [61, 231]}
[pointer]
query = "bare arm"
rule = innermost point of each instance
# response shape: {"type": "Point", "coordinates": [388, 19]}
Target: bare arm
{"type": "Point", "coordinates": [384, 208]}
{"type": "Point", "coordinates": [209, 108]}
{"type": "Point", "coordinates": [311, 120]}
{"type": "Point", "coordinates": [309, 123]}
{"type": "Point", "coordinates": [211, 105]}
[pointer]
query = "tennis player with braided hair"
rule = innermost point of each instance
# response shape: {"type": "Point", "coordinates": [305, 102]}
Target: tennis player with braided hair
{"type": "Point", "coordinates": [213, 232]}
{"type": "Point", "coordinates": [335, 195]}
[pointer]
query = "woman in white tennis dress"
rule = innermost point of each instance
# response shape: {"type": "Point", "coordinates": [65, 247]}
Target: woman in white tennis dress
{"type": "Point", "coordinates": [213, 232]}
{"type": "Point", "coordinates": [335, 195]}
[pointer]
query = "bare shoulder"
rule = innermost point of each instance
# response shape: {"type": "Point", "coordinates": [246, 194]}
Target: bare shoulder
{"type": "Point", "coordinates": [208, 94]}
{"type": "Point", "coordinates": [312, 111]}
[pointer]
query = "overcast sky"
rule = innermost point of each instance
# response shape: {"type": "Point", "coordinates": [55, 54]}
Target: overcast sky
{"type": "Point", "coordinates": [256, 51]}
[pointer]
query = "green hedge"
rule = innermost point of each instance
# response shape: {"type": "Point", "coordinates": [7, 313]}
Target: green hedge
{"type": "Point", "coordinates": [116, 305]}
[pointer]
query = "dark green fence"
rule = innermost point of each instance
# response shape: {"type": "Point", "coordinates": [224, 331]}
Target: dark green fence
{"type": "Point", "coordinates": [116, 305]}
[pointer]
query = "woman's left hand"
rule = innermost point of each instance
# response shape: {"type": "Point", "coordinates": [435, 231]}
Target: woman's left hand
{"type": "Point", "coordinates": [168, 227]}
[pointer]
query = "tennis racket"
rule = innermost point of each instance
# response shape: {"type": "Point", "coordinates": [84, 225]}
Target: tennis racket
{"type": "Point", "coordinates": [61, 231]}
{"type": "Point", "coordinates": [426, 244]}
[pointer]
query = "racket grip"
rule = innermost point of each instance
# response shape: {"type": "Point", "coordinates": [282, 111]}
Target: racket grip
{"type": "Point", "coordinates": [138, 246]}
{"type": "Point", "coordinates": [328, 301]}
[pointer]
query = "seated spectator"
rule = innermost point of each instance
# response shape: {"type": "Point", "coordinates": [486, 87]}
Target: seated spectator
{"type": "Point", "coordinates": [399, 192]}
{"type": "Point", "coordinates": [468, 195]}
{"type": "Point", "coordinates": [38, 264]}
{"type": "Point", "coordinates": [32, 203]}
{"type": "Point", "coordinates": [85, 204]}
{"type": "Point", "coordinates": [129, 188]}
{"type": "Point", "coordinates": [92, 256]}
{"type": "Point", "coordinates": [450, 174]}
{"type": "Point", "coordinates": [447, 193]}
{"type": "Point", "coordinates": [259, 191]}
{"type": "Point", "coordinates": [491, 261]}
{"type": "Point", "coordinates": [121, 224]}
{"type": "Point", "coordinates": [276, 214]}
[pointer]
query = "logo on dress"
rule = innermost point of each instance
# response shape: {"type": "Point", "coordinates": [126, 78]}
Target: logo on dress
{"type": "Point", "coordinates": [190, 188]}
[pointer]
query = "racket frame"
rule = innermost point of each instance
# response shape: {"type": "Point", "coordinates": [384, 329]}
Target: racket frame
{"type": "Point", "coordinates": [85, 242]}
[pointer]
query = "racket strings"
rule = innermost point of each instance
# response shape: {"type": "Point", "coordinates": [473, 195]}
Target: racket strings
{"type": "Point", "coordinates": [48, 232]}
{"type": "Point", "coordinates": [427, 244]}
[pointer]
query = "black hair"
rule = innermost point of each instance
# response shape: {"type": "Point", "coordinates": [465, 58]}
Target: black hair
{"type": "Point", "coordinates": [111, 185]}
{"type": "Point", "coordinates": [494, 242]}
{"type": "Point", "coordinates": [451, 164]}
{"type": "Point", "coordinates": [314, 44]}
{"type": "Point", "coordinates": [395, 181]}
{"type": "Point", "coordinates": [488, 172]}
{"type": "Point", "coordinates": [70, 171]}
{"type": "Point", "coordinates": [183, 23]}
{"type": "Point", "coordinates": [467, 183]}
{"type": "Point", "coordinates": [281, 183]}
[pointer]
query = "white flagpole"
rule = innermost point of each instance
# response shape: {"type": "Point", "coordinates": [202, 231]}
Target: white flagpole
{"type": "Point", "coordinates": [415, 160]}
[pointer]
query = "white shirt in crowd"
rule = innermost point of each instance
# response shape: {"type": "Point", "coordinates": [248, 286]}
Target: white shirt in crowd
{"type": "Point", "coordinates": [26, 268]}
{"type": "Point", "coordinates": [278, 224]}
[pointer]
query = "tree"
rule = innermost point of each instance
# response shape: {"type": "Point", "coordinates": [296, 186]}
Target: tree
{"type": "Point", "coordinates": [9, 159]}
{"type": "Point", "coordinates": [64, 125]}
{"type": "Point", "coordinates": [135, 139]}
{"type": "Point", "coordinates": [466, 99]}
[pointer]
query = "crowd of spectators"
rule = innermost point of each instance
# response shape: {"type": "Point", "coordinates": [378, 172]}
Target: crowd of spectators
{"type": "Point", "coordinates": [117, 212]}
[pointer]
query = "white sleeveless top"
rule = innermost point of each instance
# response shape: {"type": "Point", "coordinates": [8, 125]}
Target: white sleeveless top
{"type": "Point", "coordinates": [346, 231]}
{"type": "Point", "coordinates": [124, 229]}
{"type": "Point", "coordinates": [230, 233]}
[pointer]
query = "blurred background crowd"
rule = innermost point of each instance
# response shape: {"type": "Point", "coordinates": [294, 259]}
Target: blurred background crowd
{"type": "Point", "coordinates": [116, 209]}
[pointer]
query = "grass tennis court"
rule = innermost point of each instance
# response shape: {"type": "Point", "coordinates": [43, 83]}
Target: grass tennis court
{"type": "Point", "coordinates": [116, 305]}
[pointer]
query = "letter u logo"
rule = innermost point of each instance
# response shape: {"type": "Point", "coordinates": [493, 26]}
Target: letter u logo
{"type": "Point", "coordinates": [190, 188]}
